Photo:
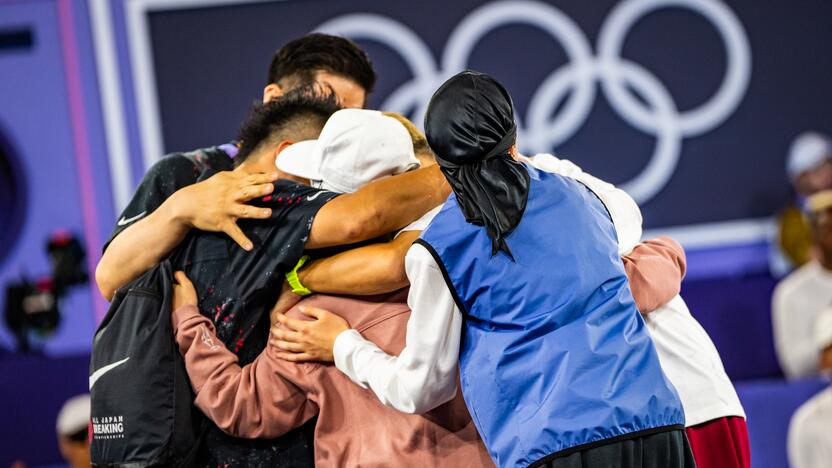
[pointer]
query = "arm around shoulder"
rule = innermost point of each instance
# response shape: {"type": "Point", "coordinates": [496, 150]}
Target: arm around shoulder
{"type": "Point", "coordinates": [372, 269]}
{"type": "Point", "coordinates": [378, 208]}
{"type": "Point", "coordinates": [424, 375]}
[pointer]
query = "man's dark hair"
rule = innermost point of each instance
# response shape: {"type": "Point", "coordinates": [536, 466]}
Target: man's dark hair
{"type": "Point", "coordinates": [298, 115]}
{"type": "Point", "coordinates": [297, 62]}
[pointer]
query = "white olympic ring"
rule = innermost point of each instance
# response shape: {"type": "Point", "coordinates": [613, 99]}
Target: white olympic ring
{"type": "Point", "coordinates": [575, 81]}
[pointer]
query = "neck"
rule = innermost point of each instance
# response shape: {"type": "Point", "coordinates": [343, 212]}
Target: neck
{"type": "Point", "coordinates": [256, 163]}
{"type": "Point", "coordinates": [262, 163]}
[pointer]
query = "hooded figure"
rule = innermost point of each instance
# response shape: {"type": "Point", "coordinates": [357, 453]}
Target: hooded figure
{"type": "Point", "coordinates": [471, 130]}
{"type": "Point", "coordinates": [556, 364]}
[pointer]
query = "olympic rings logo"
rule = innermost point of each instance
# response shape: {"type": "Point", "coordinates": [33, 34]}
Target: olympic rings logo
{"type": "Point", "coordinates": [576, 81]}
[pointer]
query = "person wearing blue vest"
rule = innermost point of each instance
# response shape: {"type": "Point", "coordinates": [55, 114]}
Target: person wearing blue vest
{"type": "Point", "coordinates": [519, 278]}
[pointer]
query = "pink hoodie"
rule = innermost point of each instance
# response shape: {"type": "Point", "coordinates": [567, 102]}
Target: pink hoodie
{"type": "Point", "coordinates": [269, 397]}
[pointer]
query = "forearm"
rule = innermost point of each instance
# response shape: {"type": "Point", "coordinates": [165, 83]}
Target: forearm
{"type": "Point", "coordinates": [365, 271]}
{"type": "Point", "coordinates": [655, 269]}
{"type": "Point", "coordinates": [410, 383]}
{"type": "Point", "coordinates": [252, 401]}
{"type": "Point", "coordinates": [378, 208]}
{"type": "Point", "coordinates": [140, 247]}
{"type": "Point", "coordinates": [424, 374]}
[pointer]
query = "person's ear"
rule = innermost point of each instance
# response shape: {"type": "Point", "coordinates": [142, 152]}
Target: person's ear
{"type": "Point", "coordinates": [272, 91]}
{"type": "Point", "coordinates": [513, 151]}
{"type": "Point", "coordinates": [280, 147]}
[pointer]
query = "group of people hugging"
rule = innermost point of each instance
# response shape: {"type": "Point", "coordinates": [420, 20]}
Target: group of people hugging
{"type": "Point", "coordinates": [351, 291]}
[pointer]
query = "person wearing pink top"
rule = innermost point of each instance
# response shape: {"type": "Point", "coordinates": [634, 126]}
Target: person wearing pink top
{"type": "Point", "coordinates": [271, 396]}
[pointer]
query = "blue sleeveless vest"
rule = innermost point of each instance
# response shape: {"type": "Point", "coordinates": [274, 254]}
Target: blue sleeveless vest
{"type": "Point", "coordinates": [555, 357]}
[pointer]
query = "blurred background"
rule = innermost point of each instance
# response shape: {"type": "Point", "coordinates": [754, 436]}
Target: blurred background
{"type": "Point", "coordinates": [699, 108]}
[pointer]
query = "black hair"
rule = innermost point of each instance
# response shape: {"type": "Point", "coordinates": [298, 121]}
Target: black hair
{"type": "Point", "coordinates": [298, 115]}
{"type": "Point", "coordinates": [301, 58]}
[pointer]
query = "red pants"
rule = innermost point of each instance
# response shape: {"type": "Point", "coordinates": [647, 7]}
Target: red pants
{"type": "Point", "coordinates": [720, 443]}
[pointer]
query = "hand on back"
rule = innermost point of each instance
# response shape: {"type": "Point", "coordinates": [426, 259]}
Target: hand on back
{"type": "Point", "coordinates": [184, 292]}
{"type": "Point", "coordinates": [312, 339]}
{"type": "Point", "coordinates": [216, 203]}
{"type": "Point", "coordinates": [286, 301]}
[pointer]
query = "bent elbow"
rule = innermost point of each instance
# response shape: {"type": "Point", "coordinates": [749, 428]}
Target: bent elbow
{"type": "Point", "coordinates": [366, 225]}
{"type": "Point", "coordinates": [105, 287]}
{"type": "Point", "coordinates": [353, 232]}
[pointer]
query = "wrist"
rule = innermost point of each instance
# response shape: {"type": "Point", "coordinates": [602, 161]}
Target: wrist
{"type": "Point", "coordinates": [181, 314]}
{"type": "Point", "coordinates": [177, 209]}
{"type": "Point", "coordinates": [342, 347]}
{"type": "Point", "coordinates": [294, 280]}
{"type": "Point", "coordinates": [303, 273]}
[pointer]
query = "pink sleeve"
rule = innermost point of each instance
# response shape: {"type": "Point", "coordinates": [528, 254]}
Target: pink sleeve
{"type": "Point", "coordinates": [655, 269]}
{"type": "Point", "coordinates": [254, 401]}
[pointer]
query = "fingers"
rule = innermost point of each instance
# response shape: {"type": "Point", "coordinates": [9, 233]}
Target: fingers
{"type": "Point", "coordinates": [284, 335]}
{"type": "Point", "coordinates": [251, 212]}
{"type": "Point", "coordinates": [288, 346]}
{"type": "Point", "coordinates": [287, 342]}
{"type": "Point", "coordinates": [183, 280]}
{"type": "Point", "coordinates": [235, 233]}
{"type": "Point", "coordinates": [260, 178]}
{"type": "Point", "coordinates": [290, 323]}
{"type": "Point", "coordinates": [247, 192]}
{"type": "Point", "coordinates": [330, 318]}
{"type": "Point", "coordinates": [180, 277]}
{"type": "Point", "coordinates": [184, 292]}
{"type": "Point", "coordinates": [314, 312]}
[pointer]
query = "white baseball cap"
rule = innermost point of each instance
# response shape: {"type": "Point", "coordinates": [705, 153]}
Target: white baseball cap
{"type": "Point", "coordinates": [807, 151]}
{"type": "Point", "coordinates": [356, 146]}
{"type": "Point", "coordinates": [74, 415]}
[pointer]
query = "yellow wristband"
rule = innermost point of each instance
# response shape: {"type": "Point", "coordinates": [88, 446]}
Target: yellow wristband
{"type": "Point", "coordinates": [294, 281]}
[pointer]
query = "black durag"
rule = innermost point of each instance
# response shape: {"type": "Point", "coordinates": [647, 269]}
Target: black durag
{"type": "Point", "coordinates": [470, 127]}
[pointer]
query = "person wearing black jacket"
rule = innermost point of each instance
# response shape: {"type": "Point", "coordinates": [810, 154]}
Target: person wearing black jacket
{"type": "Point", "coordinates": [238, 287]}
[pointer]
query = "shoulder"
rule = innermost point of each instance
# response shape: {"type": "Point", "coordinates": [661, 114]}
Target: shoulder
{"type": "Point", "coordinates": [219, 158]}
{"type": "Point", "coordinates": [293, 194]}
{"type": "Point", "coordinates": [552, 164]}
{"type": "Point", "coordinates": [795, 281]}
{"type": "Point", "coordinates": [420, 255]}
{"type": "Point", "coordinates": [294, 202]}
{"type": "Point", "coordinates": [170, 173]}
{"type": "Point", "coordinates": [172, 161]}
{"type": "Point", "coordinates": [200, 159]}
{"type": "Point", "coordinates": [289, 186]}
{"type": "Point", "coordinates": [809, 411]}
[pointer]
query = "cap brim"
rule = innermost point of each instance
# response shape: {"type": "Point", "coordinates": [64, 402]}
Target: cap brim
{"type": "Point", "coordinates": [300, 160]}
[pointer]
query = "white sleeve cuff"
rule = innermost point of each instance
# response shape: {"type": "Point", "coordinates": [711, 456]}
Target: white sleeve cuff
{"type": "Point", "coordinates": [346, 343]}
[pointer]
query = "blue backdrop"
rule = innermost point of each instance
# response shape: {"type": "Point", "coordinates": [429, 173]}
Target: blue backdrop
{"type": "Point", "coordinates": [210, 64]}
